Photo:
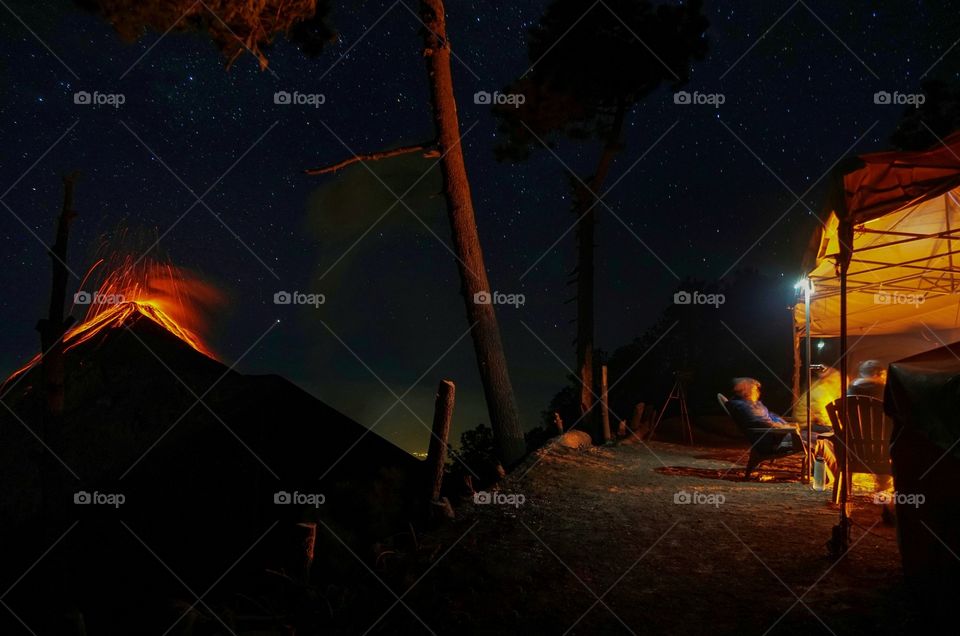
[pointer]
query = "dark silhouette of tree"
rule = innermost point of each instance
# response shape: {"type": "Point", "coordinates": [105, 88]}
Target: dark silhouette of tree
{"type": "Point", "coordinates": [565, 404]}
{"type": "Point", "coordinates": [476, 461]}
{"type": "Point", "coordinates": [236, 26]}
{"type": "Point", "coordinates": [588, 72]}
{"type": "Point", "coordinates": [748, 334]}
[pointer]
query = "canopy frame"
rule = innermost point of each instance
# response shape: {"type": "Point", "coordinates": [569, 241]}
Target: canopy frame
{"type": "Point", "coordinates": [899, 207]}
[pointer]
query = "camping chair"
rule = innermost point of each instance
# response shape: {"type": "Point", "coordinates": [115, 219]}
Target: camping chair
{"type": "Point", "coordinates": [765, 442]}
{"type": "Point", "coordinates": [868, 439]}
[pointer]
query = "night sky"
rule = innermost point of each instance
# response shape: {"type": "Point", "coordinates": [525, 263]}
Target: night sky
{"type": "Point", "coordinates": [705, 198]}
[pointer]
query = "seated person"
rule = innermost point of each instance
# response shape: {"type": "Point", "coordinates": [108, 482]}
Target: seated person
{"type": "Point", "coordinates": [747, 409]}
{"type": "Point", "coordinates": [872, 377]}
{"type": "Point", "coordinates": [824, 390]}
{"type": "Point", "coordinates": [870, 382]}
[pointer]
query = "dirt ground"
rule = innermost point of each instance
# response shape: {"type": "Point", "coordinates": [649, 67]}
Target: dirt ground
{"type": "Point", "coordinates": [599, 545]}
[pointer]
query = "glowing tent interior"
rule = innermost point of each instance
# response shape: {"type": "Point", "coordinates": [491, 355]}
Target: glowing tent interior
{"type": "Point", "coordinates": [881, 267]}
{"type": "Point", "coordinates": [900, 212]}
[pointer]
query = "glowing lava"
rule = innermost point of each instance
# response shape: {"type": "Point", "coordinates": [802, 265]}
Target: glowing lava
{"type": "Point", "coordinates": [170, 296]}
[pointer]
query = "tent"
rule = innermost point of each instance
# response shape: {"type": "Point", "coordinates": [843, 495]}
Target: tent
{"type": "Point", "coordinates": [900, 212]}
{"type": "Point", "coordinates": [884, 275]}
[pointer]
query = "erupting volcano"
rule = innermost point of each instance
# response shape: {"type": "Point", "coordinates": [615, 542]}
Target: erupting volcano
{"type": "Point", "coordinates": [171, 296]}
{"type": "Point", "coordinates": [168, 295]}
{"type": "Point", "coordinates": [198, 449]}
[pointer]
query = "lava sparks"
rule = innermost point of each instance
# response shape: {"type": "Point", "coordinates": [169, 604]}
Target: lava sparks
{"type": "Point", "coordinates": [171, 296]}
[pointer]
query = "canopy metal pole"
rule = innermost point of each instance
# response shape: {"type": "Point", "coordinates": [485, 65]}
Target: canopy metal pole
{"type": "Point", "coordinates": [806, 303]}
{"type": "Point", "coordinates": [797, 358]}
{"type": "Point", "coordinates": [846, 251]}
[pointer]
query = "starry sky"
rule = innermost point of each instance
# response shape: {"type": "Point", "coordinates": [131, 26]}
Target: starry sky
{"type": "Point", "coordinates": [700, 190]}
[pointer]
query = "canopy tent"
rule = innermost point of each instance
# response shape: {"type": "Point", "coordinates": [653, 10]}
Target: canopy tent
{"type": "Point", "coordinates": [901, 212]}
{"type": "Point", "coordinates": [882, 268]}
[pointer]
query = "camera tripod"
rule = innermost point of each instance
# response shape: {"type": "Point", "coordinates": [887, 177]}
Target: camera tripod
{"type": "Point", "coordinates": [679, 393]}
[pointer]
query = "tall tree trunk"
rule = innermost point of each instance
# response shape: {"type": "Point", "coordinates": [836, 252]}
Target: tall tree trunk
{"type": "Point", "coordinates": [586, 209]}
{"type": "Point", "coordinates": [501, 405]}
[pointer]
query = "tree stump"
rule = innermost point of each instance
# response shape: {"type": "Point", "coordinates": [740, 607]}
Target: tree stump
{"type": "Point", "coordinates": [437, 451]}
{"type": "Point", "coordinates": [297, 543]}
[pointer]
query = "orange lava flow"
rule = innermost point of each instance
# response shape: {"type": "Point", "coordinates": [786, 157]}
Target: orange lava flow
{"type": "Point", "coordinates": [170, 296]}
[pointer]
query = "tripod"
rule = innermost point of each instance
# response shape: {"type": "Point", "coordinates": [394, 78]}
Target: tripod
{"type": "Point", "coordinates": [679, 393]}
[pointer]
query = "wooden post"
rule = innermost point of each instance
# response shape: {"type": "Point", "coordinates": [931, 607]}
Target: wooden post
{"type": "Point", "coordinates": [636, 419]}
{"type": "Point", "coordinates": [437, 452]}
{"type": "Point", "coordinates": [797, 363]}
{"type": "Point", "coordinates": [604, 405]}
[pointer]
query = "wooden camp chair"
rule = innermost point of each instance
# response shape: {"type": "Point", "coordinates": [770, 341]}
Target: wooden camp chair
{"type": "Point", "coordinates": [868, 439]}
{"type": "Point", "coordinates": [765, 442]}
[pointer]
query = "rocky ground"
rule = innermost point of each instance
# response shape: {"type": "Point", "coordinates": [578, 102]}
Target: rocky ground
{"type": "Point", "coordinates": [633, 538]}
{"type": "Point", "coordinates": [601, 544]}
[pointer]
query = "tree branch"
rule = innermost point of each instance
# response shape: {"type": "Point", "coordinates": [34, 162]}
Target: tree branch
{"type": "Point", "coordinates": [429, 150]}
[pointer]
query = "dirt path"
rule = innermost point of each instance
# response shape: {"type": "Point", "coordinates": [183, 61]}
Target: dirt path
{"type": "Point", "coordinates": [604, 523]}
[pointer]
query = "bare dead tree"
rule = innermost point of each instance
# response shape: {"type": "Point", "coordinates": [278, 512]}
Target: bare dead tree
{"type": "Point", "coordinates": [497, 388]}
{"type": "Point", "coordinates": [52, 330]}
